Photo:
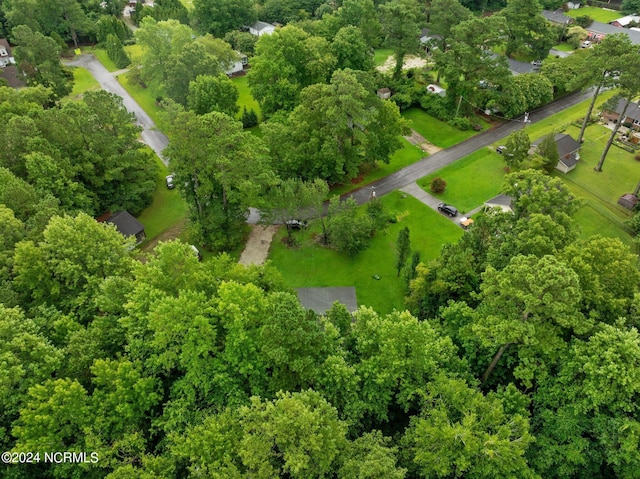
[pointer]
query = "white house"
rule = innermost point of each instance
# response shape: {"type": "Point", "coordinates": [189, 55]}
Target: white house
{"type": "Point", "coordinates": [5, 54]}
{"type": "Point", "coordinates": [261, 28]}
{"type": "Point", "coordinates": [238, 65]}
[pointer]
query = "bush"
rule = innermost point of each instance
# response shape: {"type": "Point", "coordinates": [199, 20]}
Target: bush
{"type": "Point", "coordinates": [379, 216]}
{"type": "Point", "coordinates": [637, 157]}
{"type": "Point", "coordinates": [249, 118]}
{"type": "Point", "coordinates": [435, 106]}
{"type": "Point", "coordinates": [584, 21]}
{"type": "Point", "coordinates": [634, 223]}
{"type": "Point", "coordinates": [437, 185]}
{"type": "Point", "coordinates": [461, 123]}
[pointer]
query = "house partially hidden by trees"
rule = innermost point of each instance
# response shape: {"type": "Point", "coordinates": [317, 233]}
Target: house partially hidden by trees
{"type": "Point", "coordinates": [631, 116]}
{"type": "Point", "coordinates": [568, 149]}
{"type": "Point", "coordinates": [502, 202]}
{"type": "Point", "coordinates": [8, 70]}
{"type": "Point", "coordinates": [239, 65]}
{"type": "Point", "coordinates": [261, 28]}
{"type": "Point", "coordinates": [127, 225]}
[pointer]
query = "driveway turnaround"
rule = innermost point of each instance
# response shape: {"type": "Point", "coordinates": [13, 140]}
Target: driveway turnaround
{"type": "Point", "coordinates": [154, 138]}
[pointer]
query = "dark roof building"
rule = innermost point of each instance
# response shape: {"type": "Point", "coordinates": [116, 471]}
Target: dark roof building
{"type": "Point", "coordinates": [557, 16]}
{"type": "Point", "coordinates": [567, 151]}
{"type": "Point", "coordinates": [127, 225]}
{"type": "Point", "coordinates": [632, 115]}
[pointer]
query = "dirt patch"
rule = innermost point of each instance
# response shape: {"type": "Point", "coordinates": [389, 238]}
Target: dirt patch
{"type": "Point", "coordinates": [410, 61]}
{"type": "Point", "coordinates": [420, 141]}
{"type": "Point", "coordinates": [167, 235]}
{"type": "Point", "coordinates": [257, 248]}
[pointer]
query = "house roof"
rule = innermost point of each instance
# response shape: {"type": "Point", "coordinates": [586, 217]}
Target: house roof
{"type": "Point", "coordinates": [570, 161]}
{"type": "Point", "coordinates": [599, 28]}
{"type": "Point", "coordinates": [624, 21]}
{"type": "Point", "coordinates": [321, 300]}
{"type": "Point", "coordinates": [12, 75]}
{"type": "Point", "coordinates": [566, 144]}
{"type": "Point", "coordinates": [556, 16]}
{"type": "Point", "coordinates": [501, 199]}
{"type": "Point", "coordinates": [633, 110]}
{"type": "Point", "coordinates": [5, 43]}
{"type": "Point", "coordinates": [259, 26]}
{"type": "Point", "coordinates": [125, 223]}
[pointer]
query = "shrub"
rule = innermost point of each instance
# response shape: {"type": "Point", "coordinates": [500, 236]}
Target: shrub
{"type": "Point", "coordinates": [584, 21]}
{"type": "Point", "coordinates": [437, 185]}
{"type": "Point", "coordinates": [249, 118]}
{"type": "Point", "coordinates": [637, 157]}
{"type": "Point", "coordinates": [634, 223]}
{"type": "Point", "coordinates": [461, 123]}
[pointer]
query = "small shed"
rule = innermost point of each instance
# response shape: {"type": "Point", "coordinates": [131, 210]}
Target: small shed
{"type": "Point", "coordinates": [628, 201]}
{"type": "Point", "coordinates": [384, 93]}
{"type": "Point", "coordinates": [503, 202]}
{"type": "Point", "coordinates": [127, 225]}
{"type": "Point", "coordinates": [261, 28]}
{"type": "Point", "coordinates": [436, 90]}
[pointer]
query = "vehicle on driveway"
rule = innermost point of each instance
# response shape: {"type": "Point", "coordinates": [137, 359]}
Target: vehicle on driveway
{"type": "Point", "coordinates": [449, 210]}
{"type": "Point", "coordinates": [296, 224]}
{"type": "Point", "coordinates": [501, 149]}
{"type": "Point", "coordinates": [170, 184]}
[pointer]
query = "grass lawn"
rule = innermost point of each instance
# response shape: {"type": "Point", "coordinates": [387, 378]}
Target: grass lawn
{"type": "Point", "coordinates": [82, 81]}
{"type": "Point", "coordinates": [101, 55]}
{"type": "Point", "coordinates": [438, 132]}
{"type": "Point", "coordinates": [381, 54]}
{"type": "Point", "coordinates": [311, 265]}
{"type": "Point", "coordinates": [470, 181]}
{"type": "Point", "coordinates": [564, 47]}
{"type": "Point", "coordinates": [407, 155]}
{"type": "Point", "coordinates": [598, 14]}
{"type": "Point", "coordinates": [595, 222]}
{"type": "Point", "coordinates": [245, 98]}
{"type": "Point", "coordinates": [146, 98]}
{"type": "Point", "coordinates": [168, 206]}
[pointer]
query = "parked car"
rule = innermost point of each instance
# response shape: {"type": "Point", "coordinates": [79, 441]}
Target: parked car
{"type": "Point", "coordinates": [296, 224]}
{"type": "Point", "coordinates": [501, 149]}
{"type": "Point", "coordinates": [448, 209]}
{"type": "Point", "coordinates": [586, 44]}
{"type": "Point", "coordinates": [196, 251]}
{"type": "Point", "coordinates": [536, 63]}
{"type": "Point", "coordinates": [170, 184]}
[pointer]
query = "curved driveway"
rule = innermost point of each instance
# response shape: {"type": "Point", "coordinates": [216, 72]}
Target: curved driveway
{"type": "Point", "coordinates": [156, 140]}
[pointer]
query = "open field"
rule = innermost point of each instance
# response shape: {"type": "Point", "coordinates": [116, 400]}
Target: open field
{"type": "Point", "coordinates": [313, 265]}
{"type": "Point", "coordinates": [598, 14]}
{"type": "Point", "coordinates": [438, 132]}
{"type": "Point", "coordinates": [146, 98]}
{"type": "Point", "coordinates": [470, 181]}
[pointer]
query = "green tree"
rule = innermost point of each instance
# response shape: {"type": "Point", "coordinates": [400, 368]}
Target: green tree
{"type": "Point", "coordinates": [532, 304]}
{"type": "Point", "coordinates": [403, 248]}
{"type": "Point", "coordinates": [334, 131]}
{"type": "Point", "coordinates": [287, 61]}
{"type": "Point", "coordinates": [116, 52]}
{"type": "Point", "coordinates": [223, 170]}
{"type": "Point", "coordinates": [443, 15]}
{"type": "Point", "coordinates": [349, 231]}
{"type": "Point", "coordinates": [526, 28]}
{"type": "Point", "coordinates": [461, 432]}
{"type": "Point", "coordinates": [401, 25]}
{"type": "Point", "coordinates": [371, 455]}
{"type": "Point", "coordinates": [249, 117]}
{"type": "Point", "coordinates": [630, 7]}
{"type": "Point", "coordinates": [294, 199]}
{"type": "Point", "coordinates": [66, 268]}
{"type": "Point", "coordinates": [38, 57]}
{"type": "Point", "coordinates": [518, 145]}
{"type": "Point", "coordinates": [548, 149]}
{"type": "Point", "coordinates": [576, 35]}
{"type": "Point", "coordinates": [220, 16]}
{"type": "Point", "coordinates": [600, 65]}
{"type": "Point", "coordinates": [351, 50]}
{"type": "Point", "coordinates": [361, 14]}
{"type": "Point", "coordinates": [243, 42]}
{"type": "Point", "coordinates": [209, 93]}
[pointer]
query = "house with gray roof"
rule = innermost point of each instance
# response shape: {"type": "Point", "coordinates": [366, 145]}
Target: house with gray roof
{"type": "Point", "coordinates": [127, 225]}
{"type": "Point", "coordinates": [261, 28]}
{"type": "Point", "coordinates": [568, 151]}
{"type": "Point", "coordinates": [632, 115]}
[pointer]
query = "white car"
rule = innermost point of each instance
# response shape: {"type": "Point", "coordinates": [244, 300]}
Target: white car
{"type": "Point", "coordinates": [586, 44]}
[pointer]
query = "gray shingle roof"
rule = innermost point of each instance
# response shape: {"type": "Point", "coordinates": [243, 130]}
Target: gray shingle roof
{"type": "Point", "coordinates": [125, 223]}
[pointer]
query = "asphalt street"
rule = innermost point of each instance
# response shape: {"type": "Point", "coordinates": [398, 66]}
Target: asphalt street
{"type": "Point", "coordinates": [154, 138]}
{"type": "Point", "coordinates": [438, 160]}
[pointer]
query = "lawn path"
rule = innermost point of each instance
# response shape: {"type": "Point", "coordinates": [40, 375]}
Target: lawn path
{"type": "Point", "coordinates": [418, 193]}
{"type": "Point", "coordinates": [155, 139]}
{"type": "Point", "coordinates": [257, 248]}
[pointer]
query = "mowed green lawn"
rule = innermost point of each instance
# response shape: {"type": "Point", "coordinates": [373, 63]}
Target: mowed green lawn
{"type": "Point", "coordinates": [470, 181]}
{"type": "Point", "coordinates": [312, 265]}
{"type": "Point", "coordinates": [405, 156]}
{"type": "Point", "coordinates": [598, 14]}
{"type": "Point", "coordinates": [244, 96]}
{"type": "Point", "coordinates": [381, 54]}
{"type": "Point", "coordinates": [146, 98]}
{"type": "Point", "coordinates": [435, 131]}
{"type": "Point", "coordinates": [168, 206]}
{"type": "Point", "coordinates": [83, 81]}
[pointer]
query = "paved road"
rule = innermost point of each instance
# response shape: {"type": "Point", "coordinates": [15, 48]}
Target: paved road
{"type": "Point", "coordinates": [156, 140]}
{"type": "Point", "coordinates": [438, 160]}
